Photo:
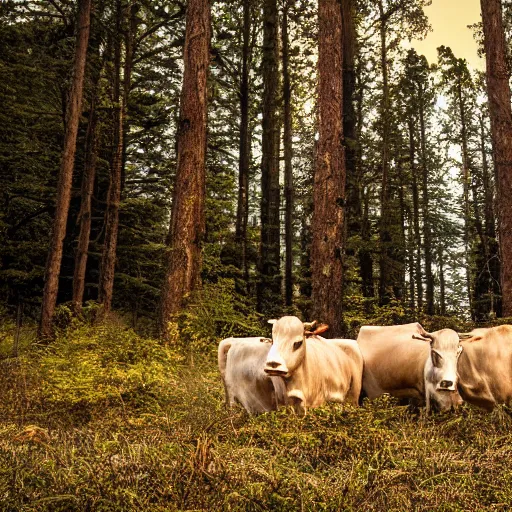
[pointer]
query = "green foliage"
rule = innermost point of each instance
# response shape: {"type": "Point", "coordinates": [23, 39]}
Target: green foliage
{"type": "Point", "coordinates": [214, 312]}
{"type": "Point", "coordinates": [102, 365]}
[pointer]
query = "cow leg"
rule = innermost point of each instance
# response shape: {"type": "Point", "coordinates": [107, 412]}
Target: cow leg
{"type": "Point", "coordinates": [354, 394]}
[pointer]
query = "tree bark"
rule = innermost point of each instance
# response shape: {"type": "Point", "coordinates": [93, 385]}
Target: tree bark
{"type": "Point", "coordinates": [498, 92]}
{"type": "Point", "coordinates": [491, 247]}
{"type": "Point", "coordinates": [427, 230]}
{"type": "Point", "coordinates": [412, 266]}
{"type": "Point", "coordinates": [84, 217]}
{"type": "Point", "coordinates": [187, 227]}
{"type": "Point", "coordinates": [269, 289]}
{"type": "Point", "coordinates": [350, 138]}
{"type": "Point", "coordinates": [108, 256]}
{"type": "Point", "coordinates": [465, 181]}
{"type": "Point", "coordinates": [66, 172]}
{"type": "Point", "coordinates": [415, 215]}
{"type": "Point", "coordinates": [329, 180]}
{"type": "Point", "coordinates": [242, 214]}
{"type": "Point", "coordinates": [442, 283]}
{"type": "Point", "coordinates": [365, 253]}
{"type": "Point", "coordinates": [386, 274]}
{"type": "Point", "coordinates": [129, 38]}
{"type": "Point", "coordinates": [288, 154]}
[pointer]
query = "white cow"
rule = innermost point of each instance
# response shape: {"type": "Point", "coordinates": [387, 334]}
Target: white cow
{"type": "Point", "coordinates": [241, 362]}
{"type": "Point", "coordinates": [399, 361]}
{"type": "Point", "coordinates": [315, 370]}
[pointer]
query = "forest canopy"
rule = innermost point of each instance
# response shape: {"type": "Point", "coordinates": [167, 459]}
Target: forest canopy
{"type": "Point", "coordinates": [228, 162]}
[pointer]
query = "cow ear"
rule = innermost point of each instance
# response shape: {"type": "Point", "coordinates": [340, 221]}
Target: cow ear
{"type": "Point", "coordinates": [321, 328]}
{"type": "Point", "coordinates": [309, 326]}
{"type": "Point", "coordinates": [273, 321]}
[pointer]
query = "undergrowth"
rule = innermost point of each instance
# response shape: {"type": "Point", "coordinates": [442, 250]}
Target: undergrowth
{"type": "Point", "coordinates": [104, 420]}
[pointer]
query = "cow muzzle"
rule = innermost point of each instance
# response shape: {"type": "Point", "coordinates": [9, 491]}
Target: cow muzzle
{"type": "Point", "coordinates": [275, 369]}
{"type": "Point", "coordinates": [446, 385]}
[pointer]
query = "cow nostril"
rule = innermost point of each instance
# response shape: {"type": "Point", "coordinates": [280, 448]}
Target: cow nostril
{"type": "Point", "coordinates": [273, 364]}
{"type": "Point", "coordinates": [446, 383]}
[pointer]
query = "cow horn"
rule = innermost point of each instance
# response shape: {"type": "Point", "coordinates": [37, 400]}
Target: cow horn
{"type": "Point", "coordinates": [469, 336]}
{"type": "Point", "coordinates": [309, 326]}
{"type": "Point", "coordinates": [424, 336]}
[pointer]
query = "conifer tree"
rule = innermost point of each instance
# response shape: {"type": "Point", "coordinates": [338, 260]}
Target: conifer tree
{"type": "Point", "coordinates": [186, 232]}
{"type": "Point", "coordinates": [498, 92]}
{"type": "Point", "coordinates": [73, 113]}
{"type": "Point", "coordinates": [329, 179]}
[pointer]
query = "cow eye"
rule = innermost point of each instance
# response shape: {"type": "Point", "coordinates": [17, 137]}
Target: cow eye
{"type": "Point", "coordinates": [436, 359]}
{"type": "Point", "coordinates": [298, 344]}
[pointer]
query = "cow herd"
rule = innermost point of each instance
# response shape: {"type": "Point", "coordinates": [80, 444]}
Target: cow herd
{"type": "Point", "coordinates": [298, 367]}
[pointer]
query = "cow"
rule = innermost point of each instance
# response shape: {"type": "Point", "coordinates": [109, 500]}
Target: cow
{"type": "Point", "coordinates": [315, 370]}
{"type": "Point", "coordinates": [485, 367]}
{"type": "Point", "coordinates": [399, 360]}
{"type": "Point", "coordinates": [241, 362]}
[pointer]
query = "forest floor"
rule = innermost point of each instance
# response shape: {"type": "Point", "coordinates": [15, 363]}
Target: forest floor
{"type": "Point", "coordinates": [105, 420]}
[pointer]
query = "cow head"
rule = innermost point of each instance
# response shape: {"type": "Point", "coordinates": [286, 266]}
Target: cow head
{"type": "Point", "coordinates": [288, 345]}
{"type": "Point", "coordinates": [441, 366]}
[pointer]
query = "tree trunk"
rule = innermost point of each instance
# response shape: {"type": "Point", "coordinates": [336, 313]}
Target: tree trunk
{"type": "Point", "coordinates": [400, 247]}
{"type": "Point", "coordinates": [365, 253]}
{"type": "Point", "coordinates": [329, 181]}
{"type": "Point", "coordinates": [498, 92]}
{"type": "Point", "coordinates": [19, 318]}
{"type": "Point", "coordinates": [427, 230]}
{"type": "Point", "coordinates": [442, 283]}
{"type": "Point", "coordinates": [66, 172]}
{"type": "Point", "coordinates": [491, 247]}
{"type": "Point", "coordinates": [129, 38]}
{"type": "Point", "coordinates": [415, 215]}
{"type": "Point", "coordinates": [465, 180]}
{"type": "Point", "coordinates": [269, 289]}
{"type": "Point", "coordinates": [350, 138]}
{"type": "Point", "coordinates": [108, 256]}
{"type": "Point", "coordinates": [386, 274]}
{"type": "Point", "coordinates": [242, 214]}
{"type": "Point", "coordinates": [288, 153]}
{"type": "Point", "coordinates": [84, 217]}
{"type": "Point", "coordinates": [187, 227]}
{"type": "Point", "coordinates": [412, 266]}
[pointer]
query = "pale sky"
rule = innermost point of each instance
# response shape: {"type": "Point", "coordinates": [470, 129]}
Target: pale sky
{"type": "Point", "coordinates": [449, 20]}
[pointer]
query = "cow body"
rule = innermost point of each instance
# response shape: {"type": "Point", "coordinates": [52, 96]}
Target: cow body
{"type": "Point", "coordinates": [315, 370]}
{"type": "Point", "coordinates": [241, 362]}
{"type": "Point", "coordinates": [399, 361]}
{"type": "Point", "coordinates": [485, 367]}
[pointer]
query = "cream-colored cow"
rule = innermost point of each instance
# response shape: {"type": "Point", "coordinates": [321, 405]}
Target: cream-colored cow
{"type": "Point", "coordinates": [485, 367]}
{"type": "Point", "coordinates": [241, 362]}
{"type": "Point", "coordinates": [315, 370]}
{"type": "Point", "coordinates": [399, 360]}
